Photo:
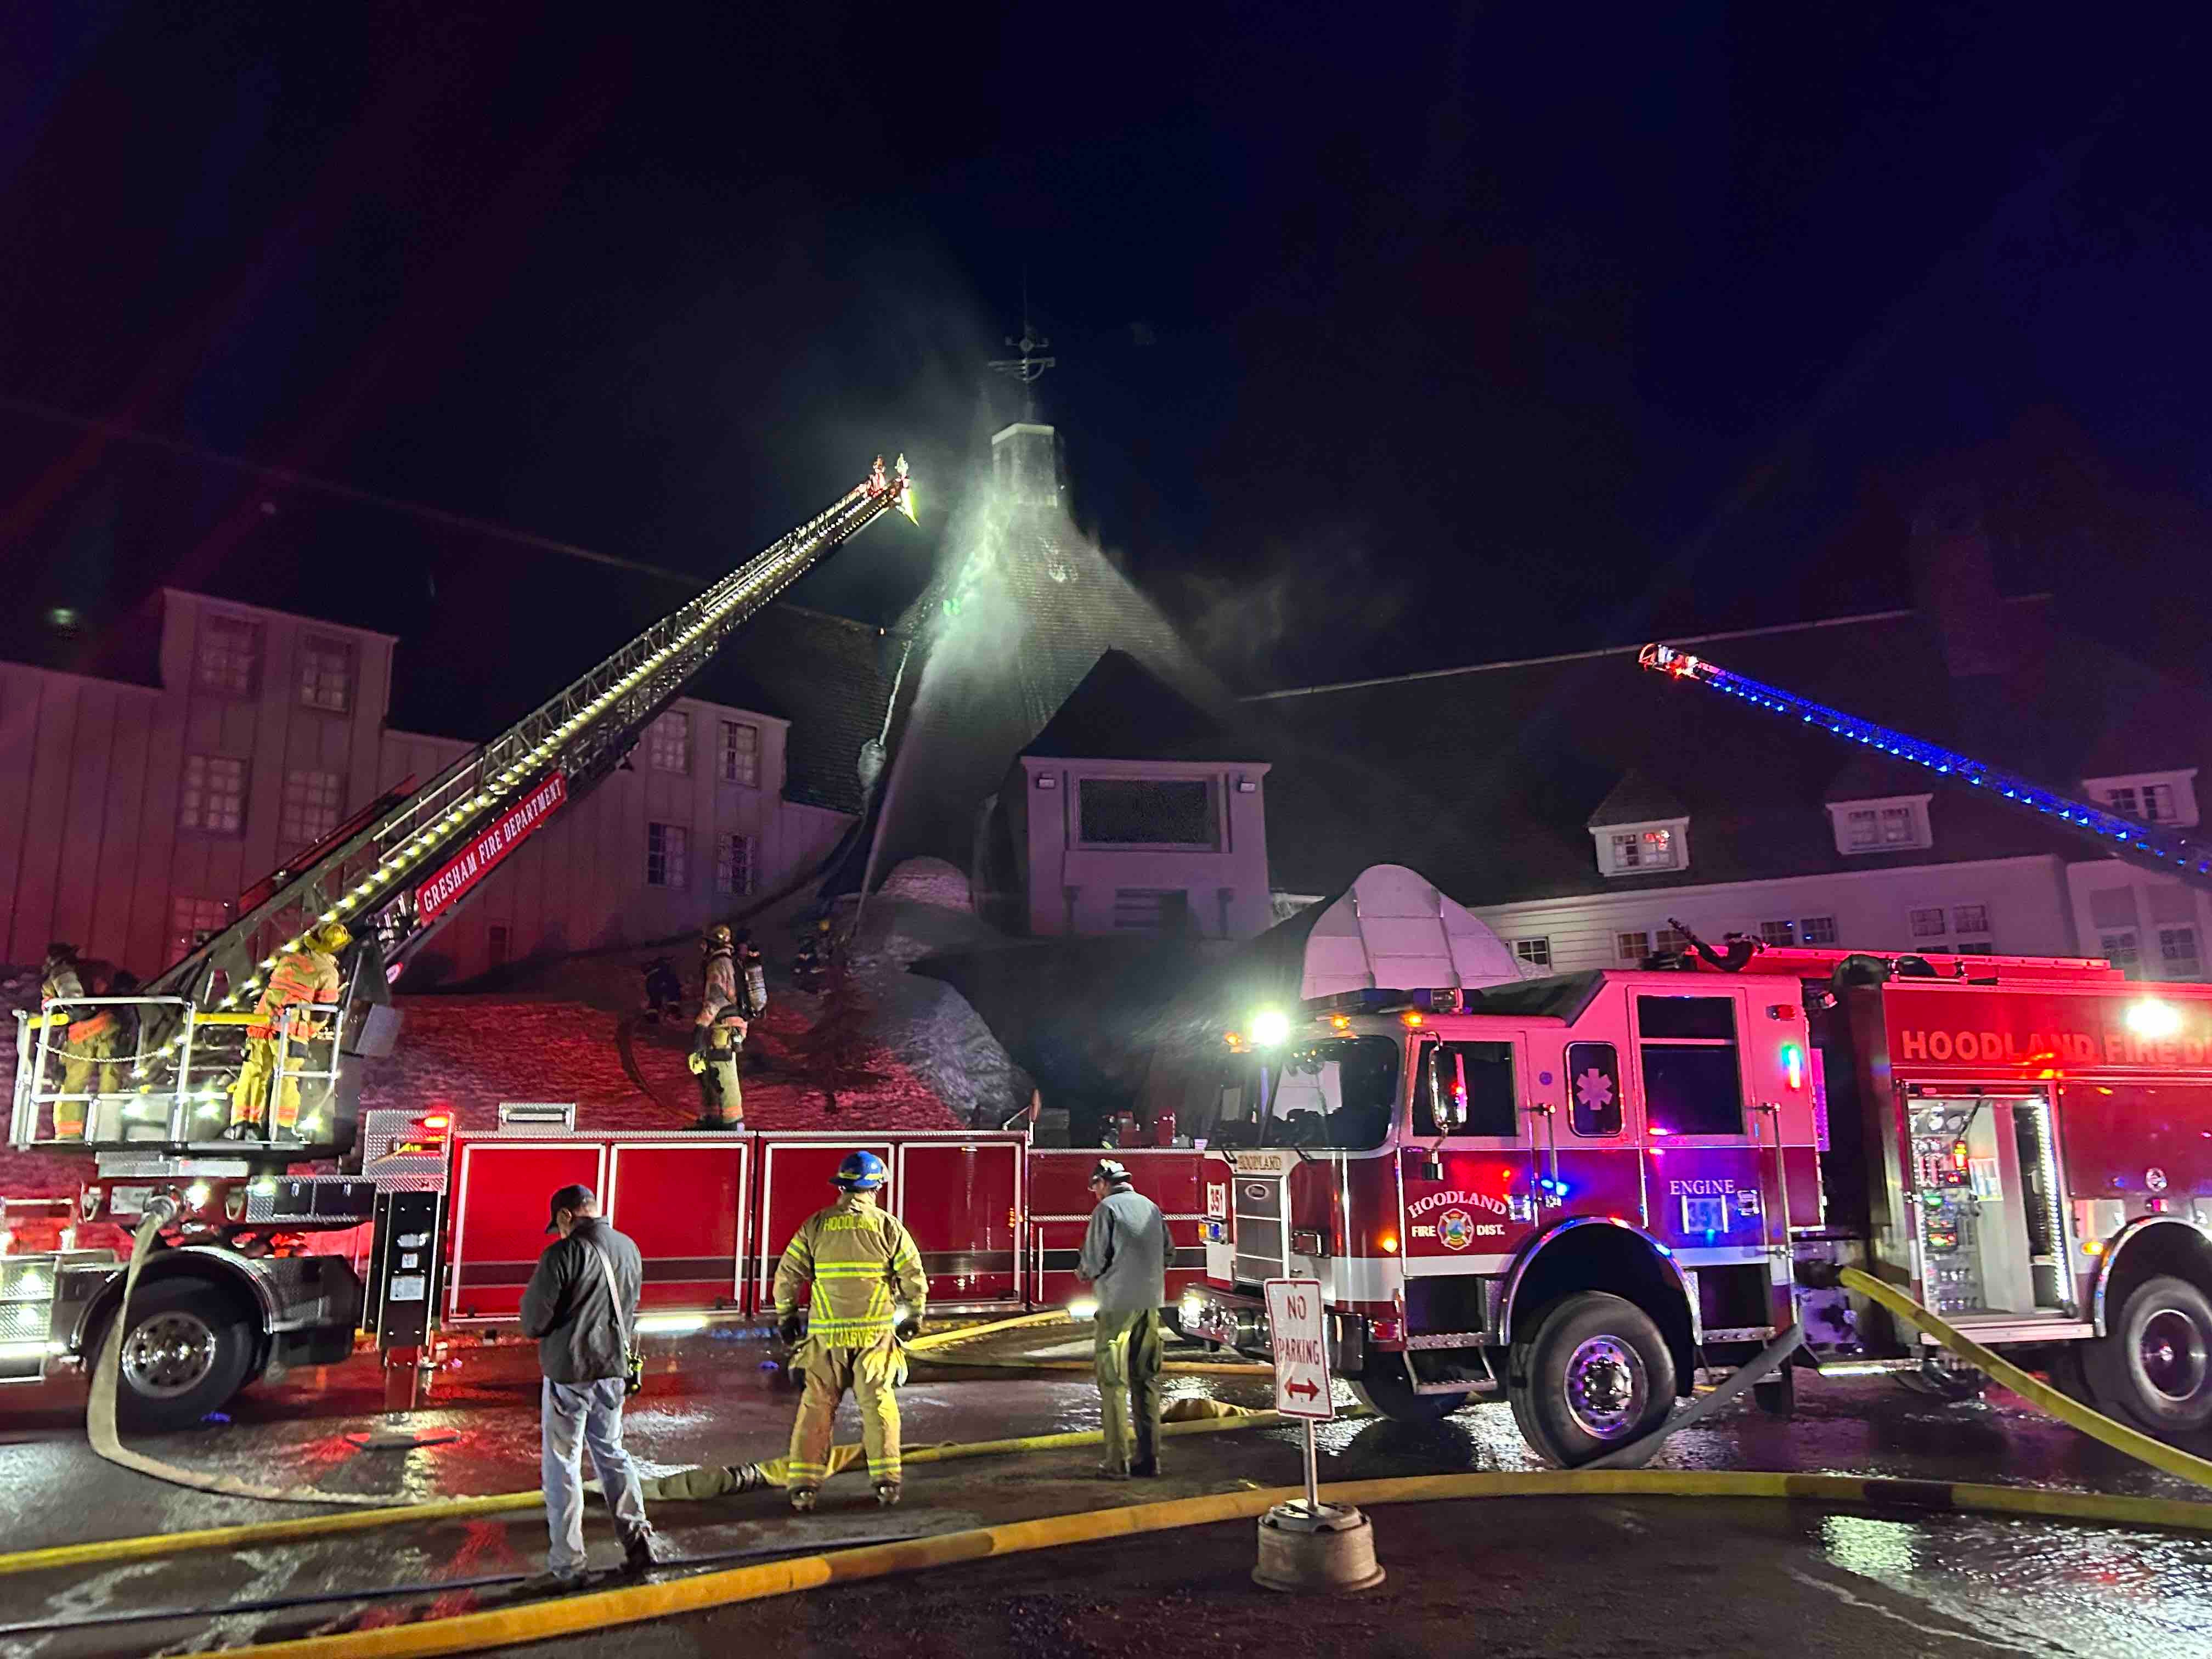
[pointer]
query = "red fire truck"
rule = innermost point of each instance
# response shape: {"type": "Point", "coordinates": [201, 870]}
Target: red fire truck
{"type": "Point", "coordinates": [1574, 1192]}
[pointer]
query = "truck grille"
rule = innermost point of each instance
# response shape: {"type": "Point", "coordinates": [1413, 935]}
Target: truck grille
{"type": "Point", "coordinates": [1260, 1230]}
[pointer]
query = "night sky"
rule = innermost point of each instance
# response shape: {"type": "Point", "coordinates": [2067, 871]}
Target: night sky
{"type": "Point", "coordinates": [1389, 337]}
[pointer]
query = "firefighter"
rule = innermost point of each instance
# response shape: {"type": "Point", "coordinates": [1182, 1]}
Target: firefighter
{"type": "Point", "coordinates": [86, 1039]}
{"type": "Point", "coordinates": [664, 992]}
{"type": "Point", "coordinates": [1124, 1261]}
{"type": "Point", "coordinates": [303, 980]}
{"type": "Point", "coordinates": [868, 1288]}
{"type": "Point", "coordinates": [716, 1034]}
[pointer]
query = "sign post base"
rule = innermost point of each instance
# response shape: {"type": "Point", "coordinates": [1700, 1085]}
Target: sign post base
{"type": "Point", "coordinates": [1327, 1551]}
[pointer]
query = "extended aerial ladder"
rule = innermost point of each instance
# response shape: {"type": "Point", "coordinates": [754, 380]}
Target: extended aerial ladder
{"type": "Point", "coordinates": [400, 876]}
{"type": "Point", "coordinates": [2152, 846]}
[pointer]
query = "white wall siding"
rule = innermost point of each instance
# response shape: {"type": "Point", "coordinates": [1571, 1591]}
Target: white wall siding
{"type": "Point", "coordinates": [2030, 910]}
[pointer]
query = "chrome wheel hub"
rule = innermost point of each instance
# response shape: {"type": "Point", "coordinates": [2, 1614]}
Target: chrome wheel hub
{"type": "Point", "coordinates": [2173, 1355]}
{"type": "Point", "coordinates": [1606, 1387]}
{"type": "Point", "coordinates": [169, 1354]}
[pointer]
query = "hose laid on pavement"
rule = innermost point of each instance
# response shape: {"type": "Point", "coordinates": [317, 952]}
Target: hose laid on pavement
{"type": "Point", "coordinates": [472, 1632]}
{"type": "Point", "coordinates": [2045, 1398]}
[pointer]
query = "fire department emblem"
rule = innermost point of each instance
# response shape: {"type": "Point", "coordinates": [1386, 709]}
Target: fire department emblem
{"type": "Point", "coordinates": [2154, 1178]}
{"type": "Point", "coordinates": [1594, 1089]}
{"type": "Point", "coordinates": [1455, 1230]}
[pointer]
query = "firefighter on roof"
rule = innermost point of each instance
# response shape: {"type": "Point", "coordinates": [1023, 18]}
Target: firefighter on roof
{"type": "Point", "coordinates": [715, 1036]}
{"type": "Point", "coordinates": [85, 1038]}
{"type": "Point", "coordinates": [302, 982]}
{"type": "Point", "coordinates": [868, 1286]}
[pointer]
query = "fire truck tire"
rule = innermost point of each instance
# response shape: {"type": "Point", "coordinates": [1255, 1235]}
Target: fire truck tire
{"type": "Point", "coordinates": [188, 1349]}
{"type": "Point", "coordinates": [1594, 1375]}
{"type": "Point", "coordinates": [2153, 1366]}
{"type": "Point", "coordinates": [1383, 1389]}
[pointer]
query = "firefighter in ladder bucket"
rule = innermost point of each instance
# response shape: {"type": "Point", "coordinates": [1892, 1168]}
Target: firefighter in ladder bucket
{"type": "Point", "coordinates": [86, 1038]}
{"type": "Point", "coordinates": [717, 1034]}
{"type": "Point", "coordinates": [302, 982]}
{"type": "Point", "coordinates": [868, 1289]}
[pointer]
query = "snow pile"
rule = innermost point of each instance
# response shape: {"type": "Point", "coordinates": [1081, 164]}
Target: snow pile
{"type": "Point", "coordinates": [928, 1027]}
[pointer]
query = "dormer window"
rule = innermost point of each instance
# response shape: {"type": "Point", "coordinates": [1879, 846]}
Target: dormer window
{"type": "Point", "coordinates": [1641, 829]}
{"type": "Point", "coordinates": [2160, 798]}
{"type": "Point", "coordinates": [1893, 823]}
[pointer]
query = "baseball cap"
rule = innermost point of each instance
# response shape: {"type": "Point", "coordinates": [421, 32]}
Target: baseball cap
{"type": "Point", "coordinates": [568, 1197]}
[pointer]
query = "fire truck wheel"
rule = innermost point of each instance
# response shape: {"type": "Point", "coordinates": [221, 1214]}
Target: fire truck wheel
{"type": "Point", "coordinates": [2153, 1366]}
{"type": "Point", "coordinates": [1595, 1376]}
{"type": "Point", "coordinates": [1382, 1389]}
{"type": "Point", "coordinates": [188, 1349]}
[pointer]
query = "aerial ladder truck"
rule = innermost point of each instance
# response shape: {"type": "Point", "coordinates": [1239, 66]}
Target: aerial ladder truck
{"type": "Point", "coordinates": [236, 1292]}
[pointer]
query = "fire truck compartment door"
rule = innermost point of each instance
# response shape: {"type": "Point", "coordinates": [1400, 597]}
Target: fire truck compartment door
{"type": "Point", "coordinates": [1708, 1178]}
{"type": "Point", "coordinates": [684, 1205]}
{"type": "Point", "coordinates": [499, 1218]}
{"type": "Point", "coordinates": [961, 1200]}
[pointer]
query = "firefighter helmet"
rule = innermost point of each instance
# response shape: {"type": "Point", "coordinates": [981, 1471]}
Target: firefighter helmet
{"type": "Point", "coordinates": [1112, 1171]}
{"type": "Point", "coordinates": [860, 1172]}
{"type": "Point", "coordinates": [716, 938]}
{"type": "Point", "coordinates": [330, 938]}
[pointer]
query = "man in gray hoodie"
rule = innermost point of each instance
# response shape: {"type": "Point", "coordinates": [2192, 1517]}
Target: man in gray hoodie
{"type": "Point", "coordinates": [582, 1305]}
{"type": "Point", "coordinates": [1125, 1261]}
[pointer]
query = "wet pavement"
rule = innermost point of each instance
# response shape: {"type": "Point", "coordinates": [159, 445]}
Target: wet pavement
{"type": "Point", "coordinates": [1509, 1576]}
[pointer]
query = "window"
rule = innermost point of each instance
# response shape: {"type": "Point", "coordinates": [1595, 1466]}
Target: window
{"type": "Point", "coordinates": [2151, 802]}
{"type": "Point", "coordinates": [1670, 942]}
{"type": "Point", "coordinates": [1817, 930]}
{"type": "Point", "coordinates": [664, 848]}
{"type": "Point", "coordinates": [1631, 947]}
{"type": "Point", "coordinates": [733, 864]}
{"type": "Point", "coordinates": [230, 656]}
{"type": "Point", "coordinates": [1692, 1083]}
{"type": "Point", "coordinates": [1146, 812]}
{"type": "Point", "coordinates": [325, 673]}
{"type": "Point", "coordinates": [1881, 826]}
{"type": "Point", "coordinates": [741, 754]}
{"type": "Point", "coordinates": [194, 921]}
{"type": "Point", "coordinates": [1594, 1088]}
{"type": "Point", "coordinates": [669, 743]}
{"type": "Point", "coordinates": [1644, 849]}
{"type": "Point", "coordinates": [1467, 1089]}
{"type": "Point", "coordinates": [1928, 923]}
{"type": "Point", "coordinates": [2152, 797]}
{"type": "Point", "coordinates": [2123, 951]}
{"type": "Point", "coordinates": [1778, 933]}
{"type": "Point", "coordinates": [2177, 953]}
{"type": "Point", "coordinates": [213, 798]}
{"type": "Point", "coordinates": [1164, 914]}
{"type": "Point", "coordinates": [495, 945]}
{"type": "Point", "coordinates": [1537, 952]}
{"type": "Point", "coordinates": [310, 809]}
{"type": "Point", "coordinates": [1970, 918]}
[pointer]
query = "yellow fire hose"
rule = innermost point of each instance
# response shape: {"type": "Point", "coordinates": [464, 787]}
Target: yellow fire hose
{"type": "Point", "coordinates": [2041, 1395]}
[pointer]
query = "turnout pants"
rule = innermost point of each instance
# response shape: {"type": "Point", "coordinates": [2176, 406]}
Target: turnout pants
{"type": "Point", "coordinates": [1126, 1347]}
{"type": "Point", "coordinates": [721, 1099]}
{"type": "Point", "coordinates": [87, 1067]}
{"type": "Point", "coordinates": [830, 1372]}
{"type": "Point", "coordinates": [249, 1095]}
{"type": "Point", "coordinates": [571, 1416]}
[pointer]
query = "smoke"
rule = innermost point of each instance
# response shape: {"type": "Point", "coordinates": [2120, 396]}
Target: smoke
{"type": "Point", "coordinates": [1320, 586]}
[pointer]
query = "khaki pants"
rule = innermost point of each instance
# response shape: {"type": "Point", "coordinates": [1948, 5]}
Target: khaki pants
{"type": "Point", "coordinates": [830, 1372]}
{"type": "Point", "coordinates": [87, 1067]}
{"type": "Point", "coordinates": [1127, 1350]}
{"type": "Point", "coordinates": [249, 1095]}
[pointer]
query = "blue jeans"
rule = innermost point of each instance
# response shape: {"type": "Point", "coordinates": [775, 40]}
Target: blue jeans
{"type": "Point", "coordinates": [575, 1415]}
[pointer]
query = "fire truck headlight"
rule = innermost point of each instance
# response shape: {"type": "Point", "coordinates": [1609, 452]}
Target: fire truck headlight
{"type": "Point", "coordinates": [1084, 1307]}
{"type": "Point", "coordinates": [1191, 1306]}
{"type": "Point", "coordinates": [2152, 1018]}
{"type": "Point", "coordinates": [1271, 1028]}
{"type": "Point", "coordinates": [197, 1194]}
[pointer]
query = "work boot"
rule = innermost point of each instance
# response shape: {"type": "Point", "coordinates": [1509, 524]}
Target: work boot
{"type": "Point", "coordinates": [1149, 1471]}
{"type": "Point", "coordinates": [1107, 1471]}
{"type": "Point", "coordinates": [887, 1493]}
{"type": "Point", "coordinates": [802, 1499]}
{"type": "Point", "coordinates": [243, 1131]}
{"type": "Point", "coordinates": [643, 1552]}
{"type": "Point", "coordinates": [554, 1583]}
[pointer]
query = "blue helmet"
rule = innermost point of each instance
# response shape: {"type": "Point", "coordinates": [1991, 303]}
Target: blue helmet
{"type": "Point", "coordinates": [860, 1172]}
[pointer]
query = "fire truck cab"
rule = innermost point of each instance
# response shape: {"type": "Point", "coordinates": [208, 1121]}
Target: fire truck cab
{"type": "Point", "coordinates": [1576, 1192]}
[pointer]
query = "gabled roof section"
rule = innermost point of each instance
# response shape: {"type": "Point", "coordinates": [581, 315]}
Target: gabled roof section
{"type": "Point", "coordinates": [1877, 777]}
{"type": "Point", "coordinates": [1638, 799]}
{"type": "Point", "coordinates": [1123, 711]}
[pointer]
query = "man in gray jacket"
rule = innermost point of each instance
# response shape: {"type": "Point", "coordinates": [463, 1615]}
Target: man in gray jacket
{"type": "Point", "coordinates": [582, 1305]}
{"type": "Point", "coordinates": [1125, 1261]}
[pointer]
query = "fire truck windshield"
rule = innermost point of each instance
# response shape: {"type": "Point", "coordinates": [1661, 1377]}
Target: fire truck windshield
{"type": "Point", "coordinates": [1338, 1094]}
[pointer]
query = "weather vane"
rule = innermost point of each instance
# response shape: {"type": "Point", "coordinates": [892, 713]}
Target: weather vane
{"type": "Point", "coordinates": [1032, 363]}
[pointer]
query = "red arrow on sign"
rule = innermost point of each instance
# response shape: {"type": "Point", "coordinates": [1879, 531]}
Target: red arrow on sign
{"type": "Point", "coordinates": [1303, 1386]}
